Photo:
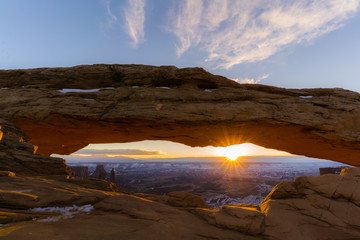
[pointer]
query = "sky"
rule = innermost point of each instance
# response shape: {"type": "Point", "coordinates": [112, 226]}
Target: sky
{"type": "Point", "coordinates": [162, 150]}
{"type": "Point", "coordinates": [284, 43]}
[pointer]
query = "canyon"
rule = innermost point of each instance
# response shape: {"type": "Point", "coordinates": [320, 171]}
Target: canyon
{"type": "Point", "coordinates": [61, 110]}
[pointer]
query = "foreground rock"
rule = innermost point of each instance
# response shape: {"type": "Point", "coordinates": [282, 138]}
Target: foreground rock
{"type": "Point", "coordinates": [190, 106]}
{"type": "Point", "coordinates": [38, 208]}
{"type": "Point", "coordinates": [177, 199]}
{"type": "Point", "coordinates": [18, 156]}
{"type": "Point", "coordinates": [22, 193]}
{"type": "Point", "coordinates": [311, 208]}
{"type": "Point", "coordinates": [241, 217]}
{"type": "Point", "coordinates": [323, 207]}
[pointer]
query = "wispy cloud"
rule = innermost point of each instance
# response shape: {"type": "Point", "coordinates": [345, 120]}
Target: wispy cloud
{"type": "Point", "coordinates": [134, 20]}
{"type": "Point", "coordinates": [117, 152]}
{"type": "Point", "coordinates": [233, 32]}
{"type": "Point", "coordinates": [112, 19]}
{"type": "Point", "coordinates": [252, 80]}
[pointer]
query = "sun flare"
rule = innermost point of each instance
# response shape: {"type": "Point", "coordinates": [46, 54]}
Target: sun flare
{"type": "Point", "coordinates": [232, 152]}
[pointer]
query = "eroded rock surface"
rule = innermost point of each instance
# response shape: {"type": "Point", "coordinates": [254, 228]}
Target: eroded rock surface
{"type": "Point", "coordinates": [18, 156]}
{"type": "Point", "coordinates": [189, 105]}
{"type": "Point", "coordinates": [177, 199]}
{"type": "Point", "coordinates": [35, 208]}
{"type": "Point", "coordinates": [241, 217]}
{"type": "Point", "coordinates": [322, 207]}
{"type": "Point", "coordinates": [311, 208]}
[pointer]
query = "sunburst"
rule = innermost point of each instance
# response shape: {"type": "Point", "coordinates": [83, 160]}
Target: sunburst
{"type": "Point", "coordinates": [232, 152]}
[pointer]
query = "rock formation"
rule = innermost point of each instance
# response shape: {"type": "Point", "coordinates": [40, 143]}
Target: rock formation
{"type": "Point", "coordinates": [177, 199]}
{"type": "Point", "coordinates": [112, 176]}
{"type": "Point", "coordinates": [80, 172]}
{"type": "Point", "coordinates": [323, 207]}
{"type": "Point", "coordinates": [312, 208]}
{"type": "Point", "coordinates": [190, 106]}
{"type": "Point", "coordinates": [99, 172]}
{"type": "Point", "coordinates": [17, 155]}
{"type": "Point", "coordinates": [331, 170]}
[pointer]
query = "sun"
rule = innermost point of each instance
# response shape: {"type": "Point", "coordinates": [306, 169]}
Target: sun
{"type": "Point", "coordinates": [232, 152]}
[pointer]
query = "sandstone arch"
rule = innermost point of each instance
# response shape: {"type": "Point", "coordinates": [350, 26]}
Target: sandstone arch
{"type": "Point", "coordinates": [190, 106]}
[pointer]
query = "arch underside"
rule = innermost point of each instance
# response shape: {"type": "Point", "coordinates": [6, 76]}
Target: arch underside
{"type": "Point", "coordinates": [72, 135]}
{"type": "Point", "coordinates": [190, 106]}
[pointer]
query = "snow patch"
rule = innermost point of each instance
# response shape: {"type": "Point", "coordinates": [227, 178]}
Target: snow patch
{"type": "Point", "coordinates": [252, 199]}
{"type": "Point", "coordinates": [89, 99]}
{"type": "Point", "coordinates": [4, 88]}
{"type": "Point", "coordinates": [70, 90]}
{"type": "Point", "coordinates": [209, 90]}
{"type": "Point", "coordinates": [135, 86]}
{"type": "Point", "coordinates": [164, 87]}
{"type": "Point", "coordinates": [65, 212]}
{"type": "Point", "coordinates": [220, 200]}
{"type": "Point", "coordinates": [306, 96]}
{"type": "Point", "coordinates": [52, 219]}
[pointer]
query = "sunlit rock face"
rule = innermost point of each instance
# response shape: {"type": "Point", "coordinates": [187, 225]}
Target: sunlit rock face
{"type": "Point", "coordinates": [312, 208]}
{"type": "Point", "coordinates": [321, 207]}
{"type": "Point", "coordinates": [189, 106]}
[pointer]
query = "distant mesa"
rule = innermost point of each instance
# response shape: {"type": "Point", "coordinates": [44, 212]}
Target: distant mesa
{"type": "Point", "coordinates": [99, 172]}
{"type": "Point", "coordinates": [81, 172]}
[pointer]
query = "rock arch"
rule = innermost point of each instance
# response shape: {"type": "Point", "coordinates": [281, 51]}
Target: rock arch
{"type": "Point", "coordinates": [190, 106]}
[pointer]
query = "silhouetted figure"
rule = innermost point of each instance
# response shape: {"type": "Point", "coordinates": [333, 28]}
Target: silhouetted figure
{"type": "Point", "coordinates": [112, 175]}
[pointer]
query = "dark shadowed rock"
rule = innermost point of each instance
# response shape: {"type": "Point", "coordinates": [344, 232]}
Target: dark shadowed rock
{"type": "Point", "coordinates": [18, 156]}
{"type": "Point", "coordinates": [331, 170]}
{"type": "Point", "coordinates": [21, 193]}
{"type": "Point", "coordinates": [112, 176]}
{"type": "Point", "coordinates": [80, 172]}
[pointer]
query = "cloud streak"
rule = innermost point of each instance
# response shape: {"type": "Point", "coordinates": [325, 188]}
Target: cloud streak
{"type": "Point", "coordinates": [112, 19]}
{"type": "Point", "coordinates": [134, 20]}
{"type": "Point", "coordinates": [233, 32]}
{"type": "Point", "coordinates": [117, 152]}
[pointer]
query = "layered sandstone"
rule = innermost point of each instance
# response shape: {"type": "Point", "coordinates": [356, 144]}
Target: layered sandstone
{"type": "Point", "coordinates": [18, 156]}
{"type": "Point", "coordinates": [322, 207]}
{"type": "Point", "coordinates": [190, 106]}
{"type": "Point", "coordinates": [312, 208]}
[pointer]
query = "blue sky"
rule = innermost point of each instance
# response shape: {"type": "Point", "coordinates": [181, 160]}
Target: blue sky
{"type": "Point", "coordinates": [284, 43]}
